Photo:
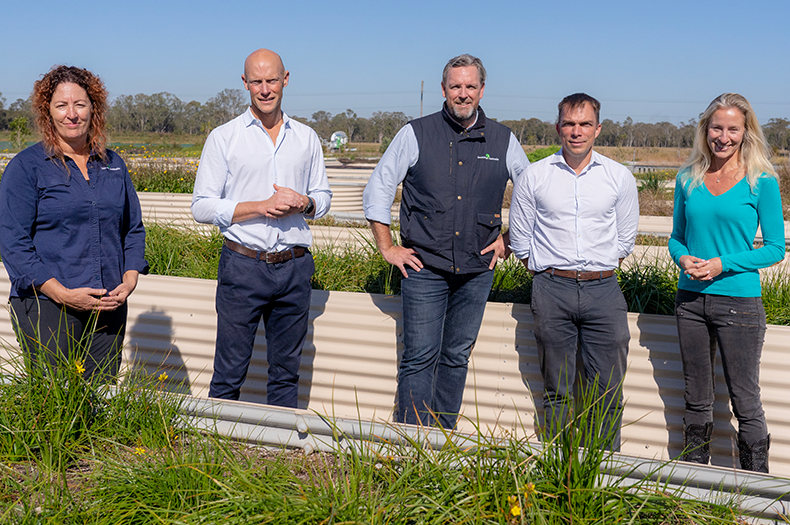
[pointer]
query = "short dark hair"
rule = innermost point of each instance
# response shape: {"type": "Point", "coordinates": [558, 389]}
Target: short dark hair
{"type": "Point", "coordinates": [577, 100]}
{"type": "Point", "coordinates": [464, 61]}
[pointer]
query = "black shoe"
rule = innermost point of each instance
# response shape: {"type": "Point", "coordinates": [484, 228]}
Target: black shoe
{"type": "Point", "coordinates": [696, 439]}
{"type": "Point", "coordinates": [754, 457]}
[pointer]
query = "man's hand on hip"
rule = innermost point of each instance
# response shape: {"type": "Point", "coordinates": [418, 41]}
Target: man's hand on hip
{"type": "Point", "coordinates": [395, 255]}
{"type": "Point", "coordinates": [400, 257]}
{"type": "Point", "coordinates": [500, 248]}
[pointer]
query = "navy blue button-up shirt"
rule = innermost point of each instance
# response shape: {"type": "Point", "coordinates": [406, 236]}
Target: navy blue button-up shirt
{"type": "Point", "coordinates": [57, 224]}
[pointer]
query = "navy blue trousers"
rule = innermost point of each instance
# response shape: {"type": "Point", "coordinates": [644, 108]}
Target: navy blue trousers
{"type": "Point", "coordinates": [249, 290]}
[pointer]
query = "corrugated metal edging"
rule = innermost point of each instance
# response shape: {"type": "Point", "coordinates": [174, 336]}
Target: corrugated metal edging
{"type": "Point", "coordinates": [349, 366]}
{"type": "Point", "coordinates": [757, 494]}
{"type": "Point", "coordinates": [174, 208]}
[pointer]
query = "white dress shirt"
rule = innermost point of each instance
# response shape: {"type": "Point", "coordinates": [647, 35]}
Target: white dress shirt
{"type": "Point", "coordinates": [240, 163]}
{"type": "Point", "coordinates": [566, 221]}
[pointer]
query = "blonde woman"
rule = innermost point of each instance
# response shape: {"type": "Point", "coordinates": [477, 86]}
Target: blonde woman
{"type": "Point", "coordinates": [725, 190]}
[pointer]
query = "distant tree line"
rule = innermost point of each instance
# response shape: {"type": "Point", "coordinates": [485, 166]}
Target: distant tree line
{"type": "Point", "coordinates": [166, 113]}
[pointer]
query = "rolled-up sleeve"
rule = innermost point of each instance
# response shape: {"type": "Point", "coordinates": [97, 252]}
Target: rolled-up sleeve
{"type": "Point", "coordinates": [402, 153]}
{"type": "Point", "coordinates": [517, 160]}
{"type": "Point", "coordinates": [318, 183]}
{"type": "Point", "coordinates": [133, 233]}
{"type": "Point", "coordinates": [626, 211]}
{"type": "Point", "coordinates": [522, 216]}
{"type": "Point", "coordinates": [18, 204]}
{"type": "Point", "coordinates": [209, 205]}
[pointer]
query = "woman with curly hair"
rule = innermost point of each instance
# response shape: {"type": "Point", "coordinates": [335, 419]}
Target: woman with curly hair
{"type": "Point", "coordinates": [71, 231]}
{"type": "Point", "coordinates": [726, 189]}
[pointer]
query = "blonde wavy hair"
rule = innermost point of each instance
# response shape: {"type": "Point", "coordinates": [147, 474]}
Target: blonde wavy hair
{"type": "Point", "coordinates": [754, 151]}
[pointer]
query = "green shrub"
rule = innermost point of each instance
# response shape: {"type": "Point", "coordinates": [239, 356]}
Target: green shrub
{"type": "Point", "coordinates": [542, 153]}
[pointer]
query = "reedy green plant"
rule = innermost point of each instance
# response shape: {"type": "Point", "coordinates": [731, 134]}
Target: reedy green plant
{"type": "Point", "coordinates": [163, 179]}
{"type": "Point", "coordinates": [52, 418]}
{"type": "Point", "coordinates": [776, 297]}
{"type": "Point", "coordinates": [649, 285]}
{"type": "Point", "coordinates": [512, 282]}
{"type": "Point", "coordinates": [350, 268]}
{"type": "Point", "coordinates": [182, 252]}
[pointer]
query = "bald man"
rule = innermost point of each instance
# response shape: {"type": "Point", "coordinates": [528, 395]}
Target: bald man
{"type": "Point", "coordinates": [260, 176]}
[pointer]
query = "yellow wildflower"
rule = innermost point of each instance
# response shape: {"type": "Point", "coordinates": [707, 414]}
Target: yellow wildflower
{"type": "Point", "coordinates": [515, 508]}
{"type": "Point", "coordinates": [79, 366]}
{"type": "Point", "coordinates": [529, 488]}
{"type": "Point", "coordinates": [139, 451]}
{"type": "Point", "coordinates": [162, 376]}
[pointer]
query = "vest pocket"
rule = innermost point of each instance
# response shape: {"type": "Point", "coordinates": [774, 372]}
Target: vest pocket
{"type": "Point", "coordinates": [488, 227]}
{"type": "Point", "coordinates": [424, 228]}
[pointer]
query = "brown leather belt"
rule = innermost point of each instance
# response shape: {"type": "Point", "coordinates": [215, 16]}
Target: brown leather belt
{"type": "Point", "coordinates": [580, 276]}
{"type": "Point", "coordinates": [268, 257]}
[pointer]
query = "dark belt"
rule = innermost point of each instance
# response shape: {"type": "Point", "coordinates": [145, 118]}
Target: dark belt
{"type": "Point", "coordinates": [580, 276]}
{"type": "Point", "coordinates": [268, 257]}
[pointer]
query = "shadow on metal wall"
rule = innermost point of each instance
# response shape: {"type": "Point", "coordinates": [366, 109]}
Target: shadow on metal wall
{"type": "Point", "coordinates": [153, 331]}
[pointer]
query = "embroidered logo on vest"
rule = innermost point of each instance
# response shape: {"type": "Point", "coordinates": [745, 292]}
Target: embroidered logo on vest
{"type": "Point", "coordinates": [487, 157]}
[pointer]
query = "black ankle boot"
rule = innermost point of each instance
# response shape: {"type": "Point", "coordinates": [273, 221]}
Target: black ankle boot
{"type": "Point", "coordinates": [696, 439]}
{"type": "Point", "coordinates": [754, 457]}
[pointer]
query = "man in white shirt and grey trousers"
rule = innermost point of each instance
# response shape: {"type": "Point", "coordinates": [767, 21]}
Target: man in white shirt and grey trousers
{"type": "Point", "coordinates": [573, 219]}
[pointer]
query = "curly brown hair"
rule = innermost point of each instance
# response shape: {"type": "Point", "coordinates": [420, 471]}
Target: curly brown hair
{"type": "Point", "coordinates": [44, 89]}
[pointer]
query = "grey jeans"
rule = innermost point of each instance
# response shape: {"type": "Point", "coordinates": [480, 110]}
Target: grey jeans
{"type": "Point", "coordinates": [592, 316]}
{"type": "Point", "coordinates": [736, 325]}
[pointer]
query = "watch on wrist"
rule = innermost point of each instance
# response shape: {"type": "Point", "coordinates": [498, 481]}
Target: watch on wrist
{"type": "Point", "coordinates": [310, 208]}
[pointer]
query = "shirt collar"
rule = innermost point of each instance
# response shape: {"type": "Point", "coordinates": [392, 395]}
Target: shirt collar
{"type": "Point", "coordinates": [595, 160]}
{"type": "Point", "coordinates": [250, 120]}
{"type": "Point", "coordinates": [49, 156]}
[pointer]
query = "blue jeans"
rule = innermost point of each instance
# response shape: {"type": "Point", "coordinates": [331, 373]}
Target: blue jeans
{"type": "Point", "coordinates": [592, 316]}
{"type": "Point", "coordinates": [248, 290]}
{"type": "Point", "coordinates": [736, 325]}
{"type": "Point", "coordinates": [442, 313]}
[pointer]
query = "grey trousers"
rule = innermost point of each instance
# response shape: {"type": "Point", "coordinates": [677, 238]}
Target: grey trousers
{"type": "Point", "coordinates": [736, 326]}
{"type": "Point", "coordinates": [587, 315]}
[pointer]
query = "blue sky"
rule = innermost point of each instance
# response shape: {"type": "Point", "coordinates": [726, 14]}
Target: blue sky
{"type": "Point", "coordinates": [651, 61]}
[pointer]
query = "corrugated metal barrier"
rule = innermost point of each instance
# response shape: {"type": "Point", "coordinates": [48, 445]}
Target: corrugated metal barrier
{"type": "Point", "coordinates": [350, 360]}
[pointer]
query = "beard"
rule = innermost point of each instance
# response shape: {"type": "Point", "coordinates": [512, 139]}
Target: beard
{"type": "Point", "coordinates": [461, 115]}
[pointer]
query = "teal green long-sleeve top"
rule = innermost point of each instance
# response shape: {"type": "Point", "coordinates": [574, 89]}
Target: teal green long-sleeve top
{"type": "Point", "coordinates": [724, 226]}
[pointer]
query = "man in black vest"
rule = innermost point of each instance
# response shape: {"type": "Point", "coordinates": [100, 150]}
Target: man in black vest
{"type": "Point", "coordinates": [454, 166]}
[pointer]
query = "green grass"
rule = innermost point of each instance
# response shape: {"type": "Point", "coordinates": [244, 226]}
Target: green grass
{"type": "Point", "coordinates": [542, 153]}
{"type": "Point", "coordinates": [153, 178]}
{"type": "Point", "coordinates": [171, 149]}
{"type": "Point", "coordinates": [507, 481]}
{"type": "Point", "coordinates": [649, 286]}
{"type": "Point", "coordinates": [182, 253]}
{"type": "Point", "coordinates": [776, 298]}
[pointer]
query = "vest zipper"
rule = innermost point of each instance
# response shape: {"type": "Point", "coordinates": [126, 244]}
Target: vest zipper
{"type": "Point", "coordinates": [451, 157]}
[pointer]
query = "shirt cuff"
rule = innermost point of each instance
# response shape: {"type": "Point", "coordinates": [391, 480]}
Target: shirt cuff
{"type": "Point", "coordinates": [378, 214]}
{"type": "Point", "coordinates": [137, 263]}
{"type": "Point", "coordinates": [223, 217]}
